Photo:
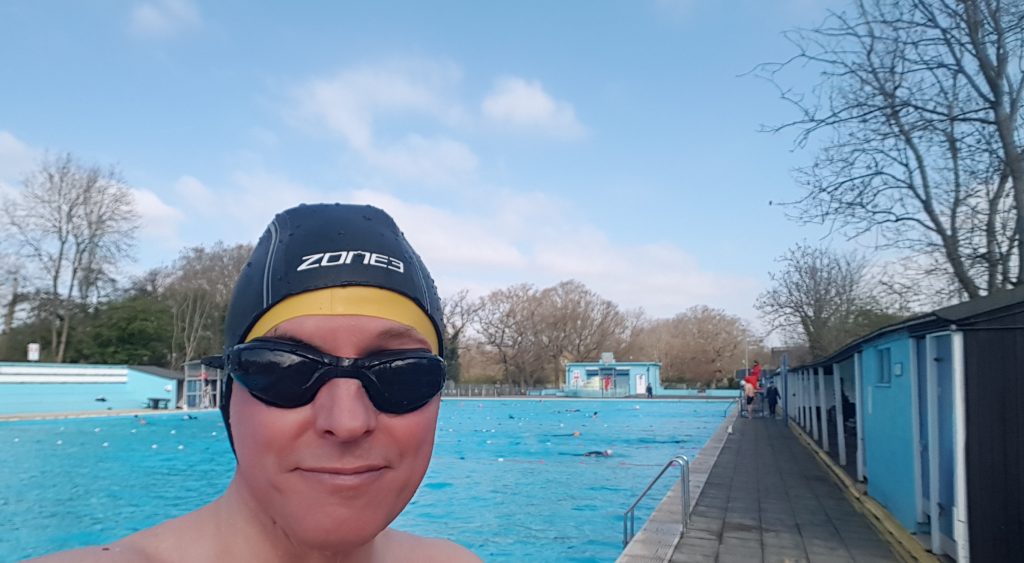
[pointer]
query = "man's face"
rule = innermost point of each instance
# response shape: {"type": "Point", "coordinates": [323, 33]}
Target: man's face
{"type": "Point", "coordinates": [334, 473]}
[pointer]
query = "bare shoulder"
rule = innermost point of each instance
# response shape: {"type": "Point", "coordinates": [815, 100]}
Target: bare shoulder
{"type": "Point", "coordinates": [151, 545]}
{"type": "Point", "coordinates": [113, 553]}
{"type": "Point", "coordinates": [427, 550]}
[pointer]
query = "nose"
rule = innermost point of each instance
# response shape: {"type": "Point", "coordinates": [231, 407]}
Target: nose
{"type": "Point", "coordinates": [343, 412]}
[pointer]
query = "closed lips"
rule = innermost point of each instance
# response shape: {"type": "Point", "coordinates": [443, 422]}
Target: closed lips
{"type": "Point", "coordinates": [354, 470]}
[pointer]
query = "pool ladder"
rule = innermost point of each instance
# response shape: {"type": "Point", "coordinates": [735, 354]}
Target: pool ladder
{"type": "Point", "coordinates": [629, 517]}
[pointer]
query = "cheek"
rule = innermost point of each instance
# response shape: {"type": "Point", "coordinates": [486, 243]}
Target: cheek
{"type": "Point", "coordinates": [415, 432]}
{"type": "Point", "coordinates": [262, 434]}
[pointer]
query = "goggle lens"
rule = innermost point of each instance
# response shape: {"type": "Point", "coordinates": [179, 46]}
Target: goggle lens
{"type": "Point", "coordinates": [289, 374]}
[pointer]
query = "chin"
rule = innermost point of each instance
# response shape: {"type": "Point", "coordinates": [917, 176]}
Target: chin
{"type": "Point", "coordinates": [325, 526]}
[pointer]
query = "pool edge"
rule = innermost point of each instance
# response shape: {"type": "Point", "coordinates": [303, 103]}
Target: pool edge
{"type": "Point", "coordinates": [657, 539]}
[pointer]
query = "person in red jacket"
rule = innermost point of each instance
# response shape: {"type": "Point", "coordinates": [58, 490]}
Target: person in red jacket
{"type": "Point", "coordinates": [751, 385]}
{"type": "Point", "coordinates": [755, 373]}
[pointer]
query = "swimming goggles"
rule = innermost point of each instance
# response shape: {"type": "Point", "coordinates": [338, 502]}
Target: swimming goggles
{"type": "Point", "coordinates": [288, 374]}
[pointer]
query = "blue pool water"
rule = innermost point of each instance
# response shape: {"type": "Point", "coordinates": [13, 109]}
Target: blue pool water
{"type": "Point", "coordinates": [506, 480]}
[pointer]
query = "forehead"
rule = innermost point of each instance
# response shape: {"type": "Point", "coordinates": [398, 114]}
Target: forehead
{"type": "Point", "coordinates": [331, 332]}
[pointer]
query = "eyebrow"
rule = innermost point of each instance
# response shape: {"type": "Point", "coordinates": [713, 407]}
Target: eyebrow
{"type": "Point", "coordinates": [391, 332]}
{"type": "Point", "coordinates": [278, 335]}
{"type": "Point", "coordinates": [401, 332]}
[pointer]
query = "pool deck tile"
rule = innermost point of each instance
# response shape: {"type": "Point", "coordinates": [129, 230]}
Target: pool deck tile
{"type": "Point", "coordinates": [767, 499]}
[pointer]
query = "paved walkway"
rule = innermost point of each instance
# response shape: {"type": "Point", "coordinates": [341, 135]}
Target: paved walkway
{"type": "Point", "coordinates": [767, 499]}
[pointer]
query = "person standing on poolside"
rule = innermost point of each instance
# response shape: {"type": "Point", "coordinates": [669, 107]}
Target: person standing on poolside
{"type": "Point", "coordinates": [772, 396]}
{"type": "Point", "coordinates": [334, 372]}
{"type": "Point", "coordinates": [751, 385]}
{"type": "Point", "coordinates": [749, 393]}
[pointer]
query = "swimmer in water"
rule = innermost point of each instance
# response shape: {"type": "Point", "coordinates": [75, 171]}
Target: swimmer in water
{"type": "Point", "coordinates": [598, 453]}
{"type": "Point", "coordinates": [333, 363]}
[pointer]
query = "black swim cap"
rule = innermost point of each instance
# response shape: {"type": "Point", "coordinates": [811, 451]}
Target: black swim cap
{"type": "Point", "coordinates": [309, 248]}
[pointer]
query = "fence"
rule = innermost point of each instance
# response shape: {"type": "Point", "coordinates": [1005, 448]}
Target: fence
{"type": "Point", "coordinates": [493, 390]}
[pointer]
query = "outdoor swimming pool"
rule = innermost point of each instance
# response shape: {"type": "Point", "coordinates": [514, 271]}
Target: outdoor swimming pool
{"type": "Point", "coordinates": [507, 479]}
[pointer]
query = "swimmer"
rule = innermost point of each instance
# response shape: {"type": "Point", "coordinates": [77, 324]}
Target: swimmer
{"type": "Point", "coordinates": [326, 458]}
{"type": "Point", "coordinates": [598, 453]}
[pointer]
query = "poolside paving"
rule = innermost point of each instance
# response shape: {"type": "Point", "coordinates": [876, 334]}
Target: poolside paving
{"type": "Point", "coordinates": [768, 499]}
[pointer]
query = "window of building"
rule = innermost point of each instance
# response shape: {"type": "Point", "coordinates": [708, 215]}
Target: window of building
{"type": "Point", "coordinates": [884, 366]}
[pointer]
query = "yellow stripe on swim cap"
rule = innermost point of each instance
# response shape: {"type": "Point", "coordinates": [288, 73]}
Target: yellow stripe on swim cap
{"type": "Point", "coordinates": [349, 300]}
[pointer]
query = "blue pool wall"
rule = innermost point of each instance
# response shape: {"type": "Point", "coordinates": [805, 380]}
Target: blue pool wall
{"type": "Point", "coordinates": [75, 388]}
{"type": "Point", "coordinates": [663, 393]}
{"type": "Point", "coordinates": [708, 393]}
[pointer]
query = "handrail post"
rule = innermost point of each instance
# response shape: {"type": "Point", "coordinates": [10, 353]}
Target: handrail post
{"type": "Point", "coordinates": [628, 532]}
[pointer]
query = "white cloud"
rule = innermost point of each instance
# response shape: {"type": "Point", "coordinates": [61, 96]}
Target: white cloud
{"type": "Point", "coordinates": [236, 213]}
{"type": "Point", "coordinates": [16, 158]}
{"type": "Point", "coordinates": [490, 238]}
{"type": "Point", "coordinates": [196, 196]}
{"type": "Point", "coordinates": [159, 220]}
{"type": "Point", "coordinates": [434, 160]}
{"type": "Point", "coordinates": [446, 239]}
{"type": "Point", "coordinates": [258, 196]}
{"type": "Point", "coordinates": [164, 18]}
{"type": "Point", "coordinates": [524, 104]}
{"type": "Point", "coordinates": [351, 104]}
{"type": "Point", "coordinates": [514, 237]}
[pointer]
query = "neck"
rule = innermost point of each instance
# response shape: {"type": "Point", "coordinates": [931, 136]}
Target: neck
{"type": "Point", "coordinates": [249, 534]}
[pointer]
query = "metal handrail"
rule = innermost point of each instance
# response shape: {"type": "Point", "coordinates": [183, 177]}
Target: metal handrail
{"type": "Point", "coordinates": [629, 517]}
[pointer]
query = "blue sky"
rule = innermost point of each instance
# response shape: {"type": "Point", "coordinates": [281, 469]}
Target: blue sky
{"type": "Point", "coordinates": [612, 142]}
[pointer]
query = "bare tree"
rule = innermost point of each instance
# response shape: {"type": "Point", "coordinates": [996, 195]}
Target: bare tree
{"type": "Point", "coordinates": [917, 112]}
{"type": "Point", "coordinates": [460, 310]}
{"type": "Point", "coordinates": [533, 333]}
{"type": "Point", "coordinates": [701, 345]}
{"type": "Point", "coordinates": [507, 323]}
{"type": "Point", "coordinates": [75, 223]}
{"type": "Point", "coordinates": [12, 288]}
{"type": "Point", "coordinates": [821, 297]}
{"type": "Point", "coordinates": [577, 324]}
{"type": "Point", "coordinates": [198, 292]}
